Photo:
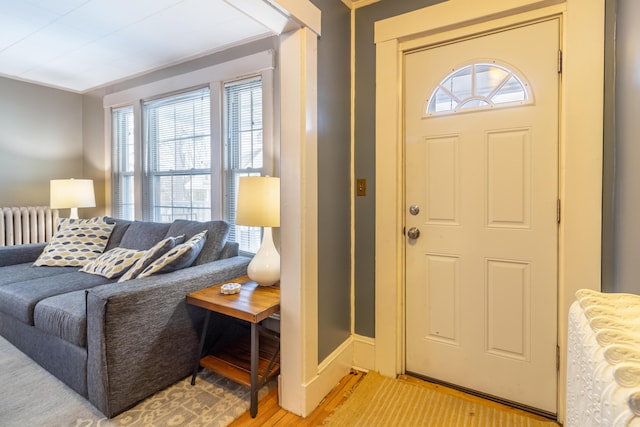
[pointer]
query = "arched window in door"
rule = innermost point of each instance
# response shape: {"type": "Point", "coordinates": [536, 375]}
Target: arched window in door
{"type": "Point", "coordinates": [478, 86]}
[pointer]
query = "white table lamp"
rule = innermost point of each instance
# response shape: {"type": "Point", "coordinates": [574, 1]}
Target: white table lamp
{"type": "Point", "coordinates": [72, 194]}
{"type": "Point", "coordinates": [259, 206]}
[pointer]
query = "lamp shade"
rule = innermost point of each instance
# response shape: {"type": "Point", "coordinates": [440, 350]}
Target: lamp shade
{"type": "Point", "coordinates": [72, 193]}
{"type": "Point", "coordinates": [258, 201]}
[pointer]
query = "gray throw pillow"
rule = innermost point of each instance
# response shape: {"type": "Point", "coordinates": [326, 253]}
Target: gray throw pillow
{"type": "Point", "coordinates": [121, 226]}
{"type": "Point", "coordinates": [142, 235]}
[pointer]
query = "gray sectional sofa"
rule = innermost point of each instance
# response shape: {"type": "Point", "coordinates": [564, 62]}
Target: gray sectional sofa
{"type": "Point", "coordinates": [115, 343]}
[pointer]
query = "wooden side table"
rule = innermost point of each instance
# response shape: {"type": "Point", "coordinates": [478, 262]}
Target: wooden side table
{"type": "Point", "coordinates": [253, 304]}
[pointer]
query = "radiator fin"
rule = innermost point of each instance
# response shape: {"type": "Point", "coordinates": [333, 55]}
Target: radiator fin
{"type": "Point", "coordinates": [27, 224]}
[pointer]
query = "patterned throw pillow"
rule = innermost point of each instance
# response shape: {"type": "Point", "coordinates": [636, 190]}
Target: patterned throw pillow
{"type": "Point", "coordinates": [62, 223]}
{"type": "Point", "coordinates": [113, 263]}
{"type": "Point", "coordinates": [179, 257]}
{"type": "Point", "coordinates": [75, 245]}
{"type": "Point", "coordinates": [151, 255]}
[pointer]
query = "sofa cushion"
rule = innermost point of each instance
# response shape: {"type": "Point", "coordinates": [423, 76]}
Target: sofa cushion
{"type": "Point", "coordinates": [19, 299]}
{"type": "Point", "coordinates": [142, 235]}
{"type": "Point", "coordinates": [180, 257]}
{"type": "Point", "coordinates": [113, 263]}
{"type": "Point", "coordinates": [75, 244]}
{"type": "Point", "coordinates": [121, 226]}
{"type": "Point", "coordinates": [217, 232]}
{"type": "Point", "coordinates": [64, 316]}
{"type": "Point", "coordinates": [26, 271]}
{"type": "Point", "coordinates": [150, 256]}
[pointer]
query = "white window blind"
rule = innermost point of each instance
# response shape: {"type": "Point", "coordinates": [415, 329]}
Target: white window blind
{"type": "Point", "coordinates": [177, 139]}
{"type": "Point", "coordinates": [123, 163]}
{"type": "Point", "coordinates": [243, 151]}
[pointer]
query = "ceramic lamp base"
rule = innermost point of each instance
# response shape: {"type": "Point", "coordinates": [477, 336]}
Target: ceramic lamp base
{"type": "Point", "coordinates": [264, 268]}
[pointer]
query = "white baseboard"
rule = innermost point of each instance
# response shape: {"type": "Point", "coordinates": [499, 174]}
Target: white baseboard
{"type": "Point", "coordinates": [364, 353]}
{"type": "Point", "coordinates": [357, 352]}
{"type": "Point", "coordinates": [330, 372]}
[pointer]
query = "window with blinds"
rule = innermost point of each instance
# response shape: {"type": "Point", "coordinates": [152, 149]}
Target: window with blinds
{"type": "Point", "coordinates": [243, 151]}
{"type": "Point", "coordinates": [123, 163]}
{"type": "Point", "coordinates": [177, 139]}
{"type": "Point", "coordinates": [175, 168]}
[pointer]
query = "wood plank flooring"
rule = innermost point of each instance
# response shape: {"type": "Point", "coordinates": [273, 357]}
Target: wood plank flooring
{"type": "Point", "coordinates": [270, 413]}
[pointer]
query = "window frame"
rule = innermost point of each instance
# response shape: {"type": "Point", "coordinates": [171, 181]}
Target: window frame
{"type": "Point", "coordinates": [152, 206]}
{"type": "Point", "coordinates": [232, 173]}
{"type": "Point", "coordinates": [214, 77]}
{"type": "Point", "coordinates": [119, 171]}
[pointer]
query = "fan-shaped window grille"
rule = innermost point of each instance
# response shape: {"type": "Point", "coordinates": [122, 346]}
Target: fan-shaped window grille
{"type": "Point", "coordinates": [478, 86]}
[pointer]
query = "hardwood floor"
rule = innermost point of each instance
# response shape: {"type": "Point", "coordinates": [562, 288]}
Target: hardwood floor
{"type": "Point", "coordinates": [270, 413]}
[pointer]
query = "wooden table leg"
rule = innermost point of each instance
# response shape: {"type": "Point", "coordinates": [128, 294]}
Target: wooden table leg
{"type": "Point", "coordinates": [254, 370]}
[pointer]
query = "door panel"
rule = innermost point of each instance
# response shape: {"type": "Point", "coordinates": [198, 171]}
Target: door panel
{"type": "Point", "coordinates": [481, 279]}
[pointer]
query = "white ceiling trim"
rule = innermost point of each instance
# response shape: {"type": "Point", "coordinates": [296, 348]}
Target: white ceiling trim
{"type": "Point", "coordinates": [281, 16]}
{"type": "Point", "coordinates": [266, 14]}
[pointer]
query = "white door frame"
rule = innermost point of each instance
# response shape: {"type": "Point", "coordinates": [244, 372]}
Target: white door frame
{"type": "Point", "coordinates": [580, 157]}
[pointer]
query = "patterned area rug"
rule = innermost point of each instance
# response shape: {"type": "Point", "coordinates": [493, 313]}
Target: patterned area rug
{"type": "Point", "coordinates": [30, 396]}
{"type": "Point", "coordinates": [213, 401]}
{"type": "Point", "coordinates": [382, 401]}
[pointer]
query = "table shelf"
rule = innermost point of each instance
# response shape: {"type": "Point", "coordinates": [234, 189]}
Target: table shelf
{"type": "Point", "coordinates": [234, 361]}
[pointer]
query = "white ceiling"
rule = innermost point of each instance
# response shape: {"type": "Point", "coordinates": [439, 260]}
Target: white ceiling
{"type": "Point", "coordinates": [79, 45]}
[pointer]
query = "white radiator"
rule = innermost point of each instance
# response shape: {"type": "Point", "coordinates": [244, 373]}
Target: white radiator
{"type": "Point", "coordinates": [21, 225]}
{"type": "Point", "coordinates": [603, 363]}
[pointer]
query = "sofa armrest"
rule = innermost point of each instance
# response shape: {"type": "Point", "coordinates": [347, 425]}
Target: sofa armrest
{"type": "Point", "coordinates": [141, 334]}
{"type": "Point", "coordinates": [19, 254]}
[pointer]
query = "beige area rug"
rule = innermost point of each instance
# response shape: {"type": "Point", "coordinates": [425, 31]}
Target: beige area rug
{"type": "Point", "coordinates": [30, 396]}
{"type": "Point", "coordinates": [382, 401]}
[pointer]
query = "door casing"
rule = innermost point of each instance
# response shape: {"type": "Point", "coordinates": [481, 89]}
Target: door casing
{"type": "Point", "coordinates": [580, 150]}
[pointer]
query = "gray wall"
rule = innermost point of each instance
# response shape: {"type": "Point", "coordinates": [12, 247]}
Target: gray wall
{"type": "Point", "coordinates": [365, 145]}
{"type": "Point", "coordinates": [334, 179]}
{"type": "Point", "coordinates": [626, 173]}
{"type": "Point", "coordinates": [40, 140]}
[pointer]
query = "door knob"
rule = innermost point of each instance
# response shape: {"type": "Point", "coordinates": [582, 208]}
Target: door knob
{"type": "Point", "coordinates": [413, 233]}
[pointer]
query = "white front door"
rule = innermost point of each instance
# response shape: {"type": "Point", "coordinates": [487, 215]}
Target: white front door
{"type": "Point", "coordinates": [482, 189]}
